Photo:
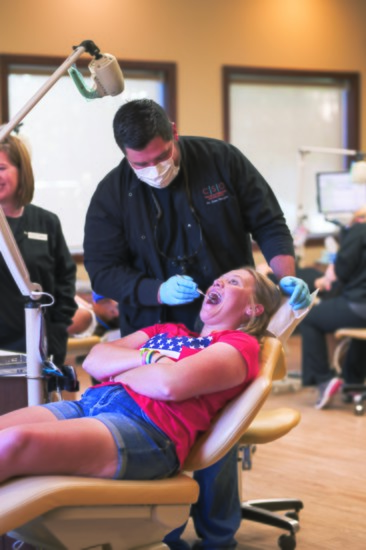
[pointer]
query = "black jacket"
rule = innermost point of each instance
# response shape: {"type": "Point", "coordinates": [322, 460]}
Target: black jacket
{"type": "Point", "coordinates": [40, 240]}
{"type": "Point", "coordinates": [134, 234]}
{"type": "Point", "coordinates": [350, 263]}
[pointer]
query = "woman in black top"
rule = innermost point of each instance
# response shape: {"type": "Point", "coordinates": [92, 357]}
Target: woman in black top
{"type": "Point", "coordinates": [40, 240]}
{"type": "Point", "coordinates": [345, 309]}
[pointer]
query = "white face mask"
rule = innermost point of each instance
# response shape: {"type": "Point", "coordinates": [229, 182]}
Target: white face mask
{"type": "Point", "coordinates": [160, 175]}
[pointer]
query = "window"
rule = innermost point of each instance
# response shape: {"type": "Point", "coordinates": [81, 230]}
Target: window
{"type": "Point", "coordinates": [71, 138]}
{"type": "Point", "coordinates": [269, 114]}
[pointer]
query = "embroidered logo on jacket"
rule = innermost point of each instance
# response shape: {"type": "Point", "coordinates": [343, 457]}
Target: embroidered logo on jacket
{"type": "Point", "coordinates": [215, 193]}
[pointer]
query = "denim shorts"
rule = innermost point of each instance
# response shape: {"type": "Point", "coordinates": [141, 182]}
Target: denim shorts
{"type": "Point", "coordinates": [144, 451]}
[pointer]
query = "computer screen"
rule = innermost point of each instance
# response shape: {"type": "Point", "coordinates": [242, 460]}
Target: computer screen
{"type": "Point", "coordinates": [338, 194]}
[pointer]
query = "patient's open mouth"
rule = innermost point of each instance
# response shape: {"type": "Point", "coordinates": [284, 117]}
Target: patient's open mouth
{"type": "Point", "coordinates": [213, 297]}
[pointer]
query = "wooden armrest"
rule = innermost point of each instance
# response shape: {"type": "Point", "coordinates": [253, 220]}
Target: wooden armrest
{"type": "Point", "coordinates": [81, 344]}
{"type": "Point", "coordinates": [358, 333]}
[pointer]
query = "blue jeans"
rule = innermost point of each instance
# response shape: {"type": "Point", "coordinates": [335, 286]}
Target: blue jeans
{"type": "Point", "coordinates": [144, 451]}
{"type": "Point", "coordinates": [217, 513]}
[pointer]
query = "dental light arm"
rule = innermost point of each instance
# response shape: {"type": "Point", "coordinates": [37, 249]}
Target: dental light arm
{"type": "Point", "coordinates": [33, 313]}
{"type": "Point", "coordinates": [304, 149]}
{"type": "Point", "coordinates": [105, 71]}
{"type": "Point", "coordinates": [15, 262]}
{"type": "Point", "coordinates": [108, 80]}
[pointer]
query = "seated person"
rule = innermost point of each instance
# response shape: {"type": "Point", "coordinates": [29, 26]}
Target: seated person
{"type": "Point", "coordinates": [99, 318]}
{"type": "Point", "coordinates": [156, 394]}
{"type": "Point", "coordinates": [324, 283]}
{"type": "Point", "coordinates": [346, 308]}
{"type": "Point", "coordinates": [107, 316]}
{"type": "Point", "coordinates": [327, 281]}
{"type": "Point", "coordinates": [84, 321]}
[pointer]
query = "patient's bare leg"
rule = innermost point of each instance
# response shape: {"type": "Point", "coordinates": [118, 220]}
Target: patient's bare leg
{"type": "Point", "coordinates": [82, 446]}
{"type": "Point", "coordinates": [27, 415]}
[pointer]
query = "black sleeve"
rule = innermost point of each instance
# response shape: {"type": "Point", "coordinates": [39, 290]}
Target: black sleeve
{"type": "Point", "coordinates": [351, 252]}
{"type": "Point", "coordinates": [107, 256]}
{"type": "Point", "coordinates": [263, 216]}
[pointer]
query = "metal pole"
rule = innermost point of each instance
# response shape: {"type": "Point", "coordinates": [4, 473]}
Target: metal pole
{"type": "Point", "coordinates": [4, 132]}
{"type": "Point", "coordinates": [33, 323]}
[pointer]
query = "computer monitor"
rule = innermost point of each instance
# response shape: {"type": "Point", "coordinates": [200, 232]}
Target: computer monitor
{"type": "Point", "coordinates": [337, 194]}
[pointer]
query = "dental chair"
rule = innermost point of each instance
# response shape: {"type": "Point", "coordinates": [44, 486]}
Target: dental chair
{"type": "Point", "coordinates": [356, 392]}
{"type": "Point", "coordinates": [76, 513]}
{"type": "Point", "coordinates": [268, 426]}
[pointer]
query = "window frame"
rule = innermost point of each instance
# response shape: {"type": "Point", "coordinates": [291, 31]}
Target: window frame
{"type": "Point", "coordinates": [276, 76]}
{"type": "Point", "coordinates": [166, 70]}
{"type": "Point", "coordinates": [169, 71]}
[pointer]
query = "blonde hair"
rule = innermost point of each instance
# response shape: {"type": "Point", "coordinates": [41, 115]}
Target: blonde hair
{"type": "Point", "coordinates": [268, 295]}
{"type": "Point", "coordinates": [19, 156]}
{"type": "Point", "coordinates": [359, 216]}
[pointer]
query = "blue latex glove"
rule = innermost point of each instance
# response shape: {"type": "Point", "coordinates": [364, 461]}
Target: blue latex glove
{"type": "Point", "coordinates": [298, 290]}
{"type": "Point", "coordinates": [179, 289]}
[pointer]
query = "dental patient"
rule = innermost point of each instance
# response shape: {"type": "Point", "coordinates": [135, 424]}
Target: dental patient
{"type": "Point", "coordinates": [159, 389]}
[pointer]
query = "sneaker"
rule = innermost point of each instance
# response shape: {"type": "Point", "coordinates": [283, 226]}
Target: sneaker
{"type": "Point", "coordinates": [327, 391]}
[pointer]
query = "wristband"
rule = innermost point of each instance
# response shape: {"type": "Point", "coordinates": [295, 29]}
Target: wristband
{"type": "Point", "coordinates": [160, 357]}
{"type": "Point", "coordinates": [146, 355]}
{"type": "Point", "coordinates": [149, 356]}
{"type": "Point", "coordinates": [143, 358]}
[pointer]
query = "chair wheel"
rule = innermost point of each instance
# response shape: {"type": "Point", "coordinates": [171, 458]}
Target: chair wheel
{"type": "Point", "coordinates": [359, 410]}
{"type": "Point", "coordinates": [287, 542]}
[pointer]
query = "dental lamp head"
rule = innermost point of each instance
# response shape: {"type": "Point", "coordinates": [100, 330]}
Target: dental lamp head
{"type": "Point", "coordinates": [105, 72]}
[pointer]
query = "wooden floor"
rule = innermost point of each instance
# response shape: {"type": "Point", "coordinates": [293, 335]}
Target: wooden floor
{"type": "Point", "coordinates": [322, 462]}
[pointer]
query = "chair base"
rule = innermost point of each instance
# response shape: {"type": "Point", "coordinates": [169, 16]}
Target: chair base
{"type": "Point", "coordinates": [109, 527]}
{"type": "Point", "coordinates": [265, 512]}
{"type": "Point", "coordinates": [80, 513]}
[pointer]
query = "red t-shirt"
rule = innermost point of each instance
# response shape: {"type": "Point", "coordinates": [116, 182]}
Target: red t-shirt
{"type": "Point", "coordinates": [183, 421]}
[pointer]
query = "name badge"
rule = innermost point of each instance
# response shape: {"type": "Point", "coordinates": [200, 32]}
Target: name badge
{"type": "Point", "coordinates": [37, 236]}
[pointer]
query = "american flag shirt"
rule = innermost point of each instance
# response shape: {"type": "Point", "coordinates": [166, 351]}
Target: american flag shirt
{"type": "Point", "coordinates": [171, 346]}
{"type": "Point", "coordinates": [183, 420]}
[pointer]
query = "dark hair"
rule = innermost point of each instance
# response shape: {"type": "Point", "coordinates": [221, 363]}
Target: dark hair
{"type": "Point", "coordinates": [18, 155]}
{"type": "Point", "coordinates": [139, 121]}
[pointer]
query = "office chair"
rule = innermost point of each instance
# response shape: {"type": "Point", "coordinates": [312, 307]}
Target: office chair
{"type": "Point", "coordinates": [356, 392]}
{"type": "Point", "coordinates": [74, 513]}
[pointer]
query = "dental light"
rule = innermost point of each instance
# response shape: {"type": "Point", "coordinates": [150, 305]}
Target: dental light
{"type": "Point", "coordinates": [108, 80]}
{"type": "Point", "coordinates": [105, 72]}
